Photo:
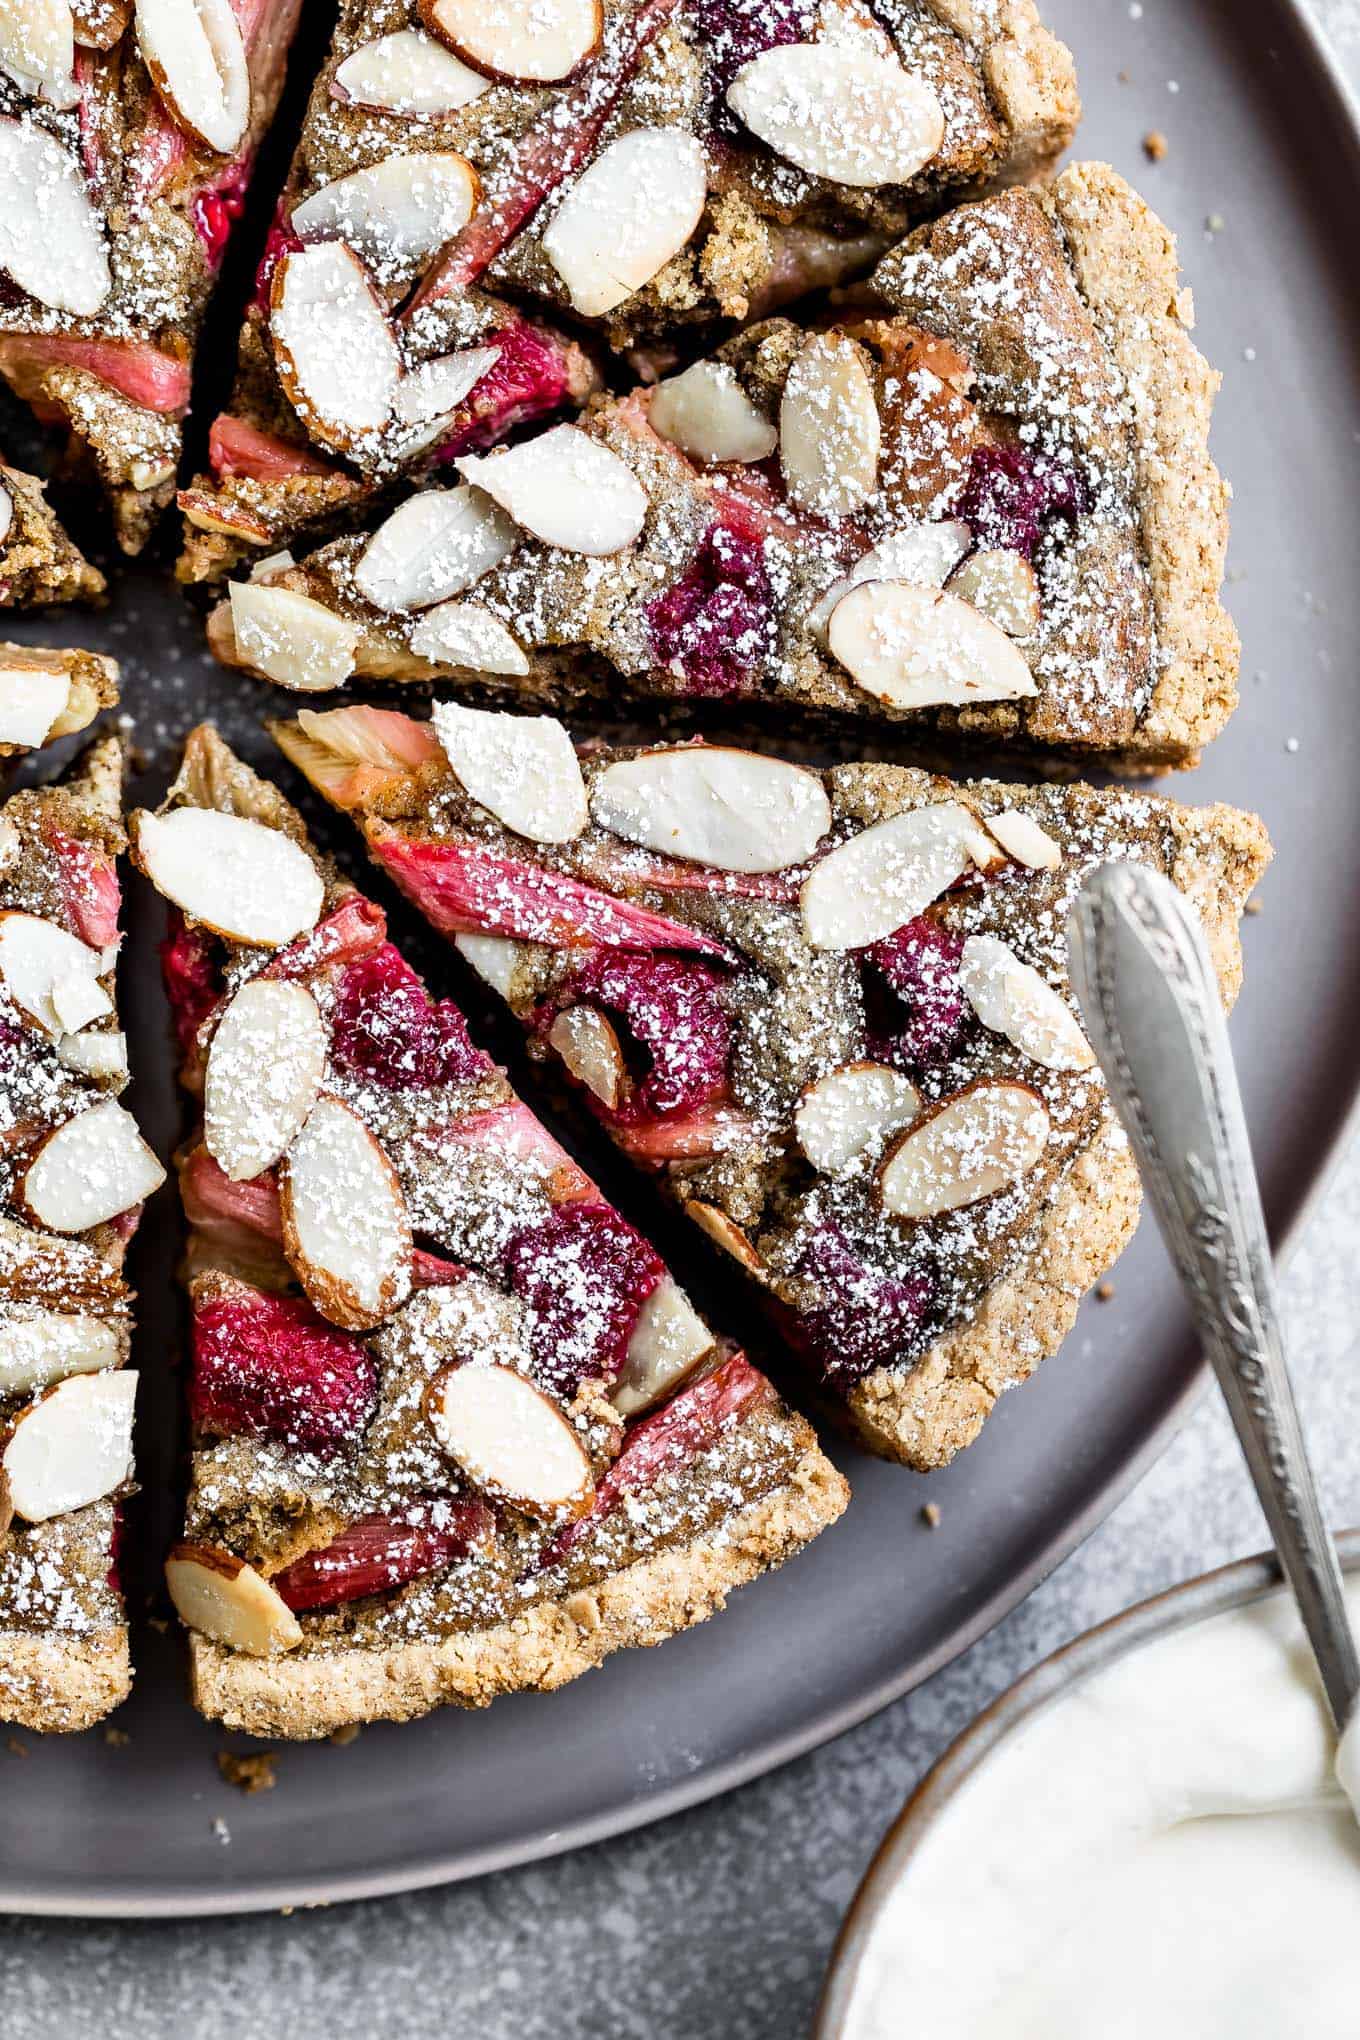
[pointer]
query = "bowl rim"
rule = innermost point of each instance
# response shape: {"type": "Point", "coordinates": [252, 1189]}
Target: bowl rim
{"type": "Point", "coordinates": [1230, 1586]}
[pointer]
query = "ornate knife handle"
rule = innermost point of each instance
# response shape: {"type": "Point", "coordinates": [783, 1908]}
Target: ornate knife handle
{"type": "Point", "coordinates": [1147, 989]}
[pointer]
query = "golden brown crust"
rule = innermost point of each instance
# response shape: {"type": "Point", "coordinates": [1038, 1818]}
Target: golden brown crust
{"type": "Point", "coordinates": [58, 1684]}
{"type": "Point", "coordinates": [39, 563]}
{"type": "Point", "coordinates": [539, 1650]}
{"type": "Point", "coordinates": [1030, 77]}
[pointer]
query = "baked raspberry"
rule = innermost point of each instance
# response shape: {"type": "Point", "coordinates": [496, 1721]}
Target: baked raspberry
{"type": "Point", "coordinates": [1011, 494]}
{"type": "Point", "coordinates": [386, 1028]}
{"type": "Point", "coordinates": [529, 381]}
{"type": "Point", "coordinates": [381, 1552]}
{"type": "Point", "coordinates": [280, 241]}
{"type": "Point", "coordinates": [735, 31]}
{"type": "Point", "coordinates": [193, 981]}
{"type": "Point", "coordinates": [274, 1368]}
{"type": "Point", "coordinates": [678, 1029]}
{"type": "Point", "coordinates": [586, 1274]}
{"type": "Point", "coordinates": [215, 212]}
{"type": "Point", "coordinates": [920, 962]}
{"type": "Point", "coordinates": [863, 1318]}
{"type": "Point", "coordinates": [714, 627]}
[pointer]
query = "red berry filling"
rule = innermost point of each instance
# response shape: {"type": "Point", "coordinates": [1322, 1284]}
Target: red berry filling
{"type": "Point", "coordinates": [735, 31]}
{"type": "Point", "coordinates": [381, 1552]}
{"type": "Point", "coordinates": [280, 241]}
{"type": "Point", "coordinates": [1011, 495]}
{"type": "Point", "coordinates": [272, 1367]}
{"type": "Point", "coordinates": [90, 894]}
{"type": "Point", "coordinates": [917, 1021]}
{"type": "Point", "coordinates": [386, 1028]}
{"type": "Point", "coordinates": [864, 1320]}
{"type": "Point", "coordinates": [586, 1274]}
{"type": "Point", "coordinates": [528, 381]}
{"type": "Point", "coordinates": [714, 628]}
{"type": "Point", "coordinates": [193, 983]}
{"type": "Point", "coordinates": [676, 1024]}
{"type": "Point", "coordinates": [215, 211]}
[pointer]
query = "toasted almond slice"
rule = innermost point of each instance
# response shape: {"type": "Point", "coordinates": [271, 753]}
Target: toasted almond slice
{"type": "Point", "coordinates": [914, 648]}
{"type": "Point", "coordinates": [724, 1232]}
{"type": "Point", "coordinates": [1009, 996]}
{"type": "Point", "coordinates": [11, 845]}
{"type": "Point", "coordinates": [1021, 837]}
{"type": "Point", "coordinates": [509, 1439]}
{"type": "Point", "coordinates": [238, 877]}
{"type": "Point", "coordinates": [849, 1113]}
{"type": "Point", "coordinates": [631, 210]}
{"type": "Point", "coordinates": [524, 768]}
{"type": "Point", "coordinates": [39, 1347]}
{"type": "Point", "coordinates": [588, 1045]}
{"type": "Point", "coordinates": [90, 1169]}
{"type": "Point", "coordinates": [495, 958]}
{"type": "Point", "coordinates": [519, 42]}
{"type": "Point", "coordinates": [564, 487]}
{"type": "Point", "coordinates": [221, 1596]}
{"type": "Point", "coordinates": [708, 415]}
{"type": "Point", "coordinates": [840, 110]}
{"type": "Point", "coordinates": [274, 567]}
{"type": "Point", "coordinates": [196, 54]}
{"type": "Point", "coordinates": [887, 874]}
{"type": "Point", "coordinates": [971, 1146]}
{"type": "Point", "coordinates": [431, 392]}
{"type": "Point", "coordinates": [50, 238]}
{"type": "Point", "coordinates": [407, 72]}
{"type": "Point", "coordinates": [72, 1447]}
{"type": "Point", "coordinates": [434, 546]}
{"type": "Point", "coordinates": [291, 638]}
{"type": "Point", "coordinates": [6, 500]}
{"type": "Point", "coordinates": [668, 1341]}
{"type": "Point", "coordinates": [346, 1230]}
{"type": "Point", "coordinates": [828, 427]}
{"type": "Point", "coordinates": [37, 48]}
{"type": "Point", "coordinates": [467, 634]}
{"type": "Point", "coordinates": [96, 1052]}
{"type": "Point", "coordinates": [731, 810]}
{"type": "Point", "coordinates": [395, 214]}
{"type": "Point", "coordinates": [334, 350]}
{"type": "Point", "coordinates": [1002, 586]}
{"type": "Point", "coordinates": [923, 555]}
{"type": "Point", "coordinates": [51, 976]}
{"type": "Point", "coordinates": [265, 1065]}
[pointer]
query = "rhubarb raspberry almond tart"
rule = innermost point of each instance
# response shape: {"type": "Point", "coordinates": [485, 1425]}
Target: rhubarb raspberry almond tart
{"type": "Point", "coordinates": [76, 1172]}
{"type": "Point", "coordinates": [829, 1009]}
{"type": "Point", "coordinates": [456, 1429]}
{"type": "Point", "coordinates": [987, 506]}
{"type": "Point", "coordinates": [127, 136]}
{"type": "Point", "coordinates": [623, 169]}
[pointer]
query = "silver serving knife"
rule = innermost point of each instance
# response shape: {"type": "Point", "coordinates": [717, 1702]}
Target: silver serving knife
{"type": "Point", "coordinates": [1142, 975]}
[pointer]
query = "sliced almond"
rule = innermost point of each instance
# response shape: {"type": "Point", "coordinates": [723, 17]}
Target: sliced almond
{"type": "Point", "coordinates": [923, 555]}
{"type": "Point", "coordinates": [395, 214]}
{"type": "Point", "coordinates": [97, 1052]}
{"type": "Point", "coordinates": [239, 877]}
{"type": "Point", "coordinates": [291, 638]}
{"type": "Point", "coordinates": [509, 1439]}
{"type": "Point", "coordinates": [434, 546]}
{"type": "Point", "coordinates": [588, 1045]}
{"type": "Point", "coordinates": [274, 567]}
{"type": "Point", "coordinates": [346, 1229]}
{"type": "Point", "coordinates": [11, 844]}
{"type": "Point", "coordinates": [566, 488]}
{"type": "Point", "coordinates": [850, 1112]}
{"type": "Point", "coordinates": [1011, 998]}
{"type": "Point", "coordinates": [631, 210]}
{"type": "Point", "coordinates": [6, 499]}
{"type": "Point", "coordinates": [334, 350]}
{"type": "Point", "coordinates": [37, 48]}
{"type": "Point", "coordinates": [91, 1169]}
{"type": "Point", "coordinates": [520, 42]}
{"type": "Point", "coordinates": [39, 1347]}
{"type": "Point", "coordinates": [1002, 586]}
{"type": "Point", "coordinates": [495, 958]}
{"type": "Point", "coordinates": [466, 634]}
{"type": "Point", "coordinates": [51, 243]}
{"type": "Point", "coordinates": [886, 875]}
{"type": "Point", "coordinates": [976, 1143]}
{"type": "Point", "coordinates": [829, 428]}
{"type": "Point", "coordinates": [407, 72]}
{"type": "Point", "coordinates": [708, 415]}
{"type": "Point", "coordinates": [431, 392]}
{"type": "Point", "coordinates": [668, 1341]}
{"type": "Point", "coordinates": [1021, 837]}
{"type": "Point", "coordinates": [51, 976]}
{"type": "Point", "coordinates": [72, 1447]}
{"type": "Point", "coordinates": [914, 648]}
{"type": "Point", "coordinates": [724, 1232]}
{"type": "Point", "coordinates": [196, 54]}
{"type": "Point", "coordinates": [265, 1065]}
{"type": "Point", "coordinates": [524, 768]}
{"type": "Point", "coordinates": [841, 111]}
{"type": "Point", "coordinates": [731, 810]}
{"type": "Point", "coordinates": [222, 1597]}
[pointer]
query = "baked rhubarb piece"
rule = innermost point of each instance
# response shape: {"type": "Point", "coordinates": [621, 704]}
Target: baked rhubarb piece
{"type": "Point", "coordinates": [76, 1172]}
{"type": "Point", "coordinates": [39, 564]}
{"type": "Point", "coordinates": [830, 1009]}
{"type": "Point", "coordinates": [456, 1429]}
{"type": "Point", "coordinates": [988, 506]}
{"type": "Point", "coordinates": [627, 167]}
{"type": "Point", "coordinates": [127, 136]}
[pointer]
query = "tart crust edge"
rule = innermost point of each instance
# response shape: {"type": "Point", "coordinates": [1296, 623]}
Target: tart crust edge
{"type": "Point", "coordinates": [58, 1684]}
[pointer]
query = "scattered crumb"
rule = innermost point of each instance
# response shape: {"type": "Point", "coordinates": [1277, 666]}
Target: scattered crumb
{"type": "Point", "coordinates": [1215, 223]}
{"type": "Point", "coordinates": [1291, 745]}
{"type": "Point", "coordinates": [286, 1912]}
{"type": "Point", "coordinates": [1154, 145]}
{"type": "Point", "coordinates": [248, 1774]}
{"type": "Point", "coordinates": [1104, 1292]}
{"type": "Point", "coordinates": [159, 1624]}
{"type": "Point", "coordinates": [117, 1738]}
{"type": "Point", "coordinates": [930, 1515]}
{"type": "Point", "coordinates": [1253, 907]}
{"type": "Point", "coordinates": [343, 1736]}
{"type": "Point", "coordinates": [1248, 354]}
{"type": "Point", "coordinates": [222, 1831]}
{"type": "Point", "coordinates": [15, 1747]}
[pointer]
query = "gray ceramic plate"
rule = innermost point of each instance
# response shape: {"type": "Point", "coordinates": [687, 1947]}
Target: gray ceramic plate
{"type": "Point", "coordinates": [1259, 136]}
